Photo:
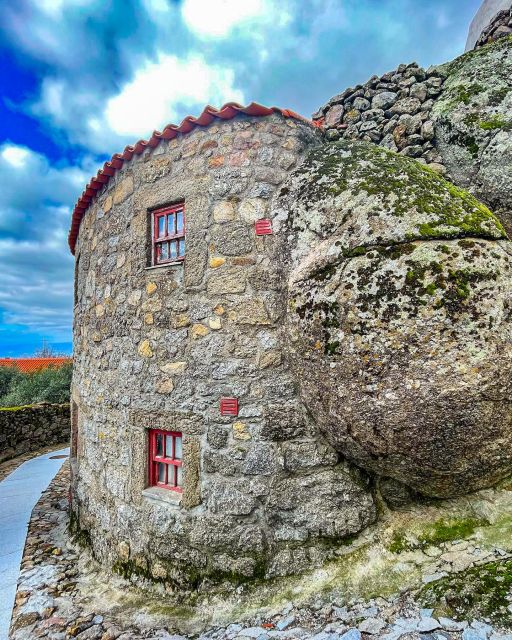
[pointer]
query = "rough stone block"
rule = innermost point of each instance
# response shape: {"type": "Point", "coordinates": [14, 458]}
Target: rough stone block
{"type": "Point", "coordinates": [123, 190]}
{"type": "Point", "coordinates": [227, 280]}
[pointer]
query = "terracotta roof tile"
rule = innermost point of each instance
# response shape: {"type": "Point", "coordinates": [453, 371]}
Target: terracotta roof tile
{"type": "Point", "coordinates": [29, 365]}
{"type": "Point", "coordinates": [209, 114]}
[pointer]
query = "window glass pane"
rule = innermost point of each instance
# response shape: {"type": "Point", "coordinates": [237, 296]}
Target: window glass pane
{"type": "Point", "coordinates": [161, 472]}
{"type": "Point", "coordinates": [179, 482]}
{"type": "Point", "coordinates": [177, 448]}
{"type": "Point", "coordinates": [159, 445]}
{"type": "Point", "coordinates": [171, 478]}
{"type": "Point", "coordinates": [179, 222]}
{"type": "Point", "coordinates": [161, 226]}
{"type": "Point", "coordinates": [181, 247]}
{"type": "Point", "coordinates": [168, 446]}
{"type": "Point", "coordinates": [174, 249]}
{"type": "Point", "coordinates": [164, 251]}
{"type": "Point", "coordinates": [171, 220]}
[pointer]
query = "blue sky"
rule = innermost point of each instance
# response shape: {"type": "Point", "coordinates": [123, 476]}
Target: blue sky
{"type": "Point", "coordinates": [82, 78]}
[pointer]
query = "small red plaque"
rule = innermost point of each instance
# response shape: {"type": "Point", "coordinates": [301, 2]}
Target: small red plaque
{"type": "Point", "coordinates": [229, 406]}
{"type": "Point", "coordinates": [263, 227]}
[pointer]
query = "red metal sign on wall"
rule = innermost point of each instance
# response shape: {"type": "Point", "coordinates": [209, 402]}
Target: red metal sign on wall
{"type": "Point", "coordinates": [229, 406]}
{"type": "Point", "coordinates": [263, 227]}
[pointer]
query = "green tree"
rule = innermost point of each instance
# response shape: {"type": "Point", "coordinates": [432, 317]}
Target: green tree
{"type": "Point", "coordinates": [8, 378]}
{"type": "Point", "coordinates": [47, 385]}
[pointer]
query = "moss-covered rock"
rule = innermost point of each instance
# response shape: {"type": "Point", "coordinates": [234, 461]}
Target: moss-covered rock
{"type": "Point", "coordinates": [482, 591]}
{"type": "Point", "coordinates": [399, 198]}
{"type": "Point", "coordinates": [399, 320]}
{"type": "Point", "coordinates": [473, 124]}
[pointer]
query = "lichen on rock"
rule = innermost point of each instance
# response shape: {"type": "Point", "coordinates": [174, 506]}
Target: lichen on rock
{"type": "Point", "coordinates": [397, 198]}
{"type": "Point", "coordinates": [398, 319]}
{"type": "Point", "coordinates": [472, 124]}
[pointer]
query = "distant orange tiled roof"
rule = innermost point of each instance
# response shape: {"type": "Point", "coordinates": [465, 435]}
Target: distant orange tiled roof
{"type": "Point", "coordinates": [209, 114]}
{"type": "Point", "coordinates": [29, 365]}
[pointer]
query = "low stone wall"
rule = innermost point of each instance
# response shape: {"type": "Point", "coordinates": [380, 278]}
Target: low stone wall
{"type": "Point", "coordinates": [393, 111]}
{"type": "Point", "coordinates": [24, 429]}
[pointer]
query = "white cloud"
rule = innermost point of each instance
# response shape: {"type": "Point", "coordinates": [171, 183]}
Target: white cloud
{"type": "Point", "coordinates": [56, 7]}
{"type": "Point", "coordinates": [109, 76]}
{"type": "Point", "coordinates": [56, 32]}
{"type": "Point", "coordinates": [36, 266]}
{"type": "Point", "coordinates": [157, 7]}
{"type": "Point", "coordinates": [217, 19]}
{"type": "Point", "coordinates": [160, 90]}
{"type": "Point", "coordinates": [15, 155]}
{"type": "Point", "coordinates": [442, 20]}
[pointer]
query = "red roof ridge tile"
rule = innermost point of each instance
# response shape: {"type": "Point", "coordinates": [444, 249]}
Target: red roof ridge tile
{"type": "Point", "coordinates": [227, 112]}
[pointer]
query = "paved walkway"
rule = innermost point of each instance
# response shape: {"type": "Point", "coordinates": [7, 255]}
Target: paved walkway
{"type": "Point", "coordinates": [19, 493]}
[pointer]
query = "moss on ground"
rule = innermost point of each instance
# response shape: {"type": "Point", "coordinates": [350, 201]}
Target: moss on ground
{"type": "Point", "coordinates": [31, 406]}
{"type": "Point", "coordinates": [442, 530]}
{"type": "Point", "coordinates": [27, 406]}
{"type": "Point", "coordinates": [482, 591]}
{"type": "Point", "coordinates": [465, 93]}
{"type": "Point", "coordinates": [496, 96]}
{"type": "Point", "coordinates": [496, 122]}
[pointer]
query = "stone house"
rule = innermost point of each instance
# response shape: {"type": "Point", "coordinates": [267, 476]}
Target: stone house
{"type": "Point", "coordinates": [281, 324]}
{"type": "Point", "coordinates": [194, 457]}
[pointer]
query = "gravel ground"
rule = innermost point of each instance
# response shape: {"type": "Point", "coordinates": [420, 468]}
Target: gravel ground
{"type": "Point", "coordinates": [50, 604]}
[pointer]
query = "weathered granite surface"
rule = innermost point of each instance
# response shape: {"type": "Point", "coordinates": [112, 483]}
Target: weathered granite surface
{"type": "Point", "coordinates": [456, 118]}
{"type": "Point", "coordinates": [486, 17]}
{"type": "Point", "coordinates": [499, 27]}
{"type": "Point", "coordinates": [398, 320]}
{"type": "Point", "coordinates": [393, 111]}
{"type": "Point", "coordinates": [24, 429]}
{"type": "Point", "coordinates": [473, 125]}
{"type": "Point", "coordinates": [372, 327]}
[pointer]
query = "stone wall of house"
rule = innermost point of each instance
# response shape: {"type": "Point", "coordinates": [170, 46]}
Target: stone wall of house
{"type": "Point", "coordinates": [25, 429]}
{"type": "Point", "coordinates": [393, 111]}
{"type": "Point", "coordinates": [264, 494]}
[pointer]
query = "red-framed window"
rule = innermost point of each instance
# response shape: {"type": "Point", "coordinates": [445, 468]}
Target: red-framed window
{"type": "Point", "coordinates": [165, 459]}
{"type": "Point", "coordinates": [169, 234]}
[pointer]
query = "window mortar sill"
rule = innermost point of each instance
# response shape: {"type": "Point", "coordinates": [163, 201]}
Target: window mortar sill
{"type": "Point", "coordinates": [162, 496]}
{"type": "Point", "coordinates": [164, 266]}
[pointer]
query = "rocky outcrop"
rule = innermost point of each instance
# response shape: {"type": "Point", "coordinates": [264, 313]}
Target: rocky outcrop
{"type": "Point", "coordinates": [24, 429]}
{"type": "Point", "coordinates": [499, 27]}
{"type": "Point", "coordinates": [473, 125]}
{"type": "Point", "coordinates": [485, 16]}
{"type": "Point", "coordinates": [398, 320]}
{"type": "Point", "coordinates": [393, 111]}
